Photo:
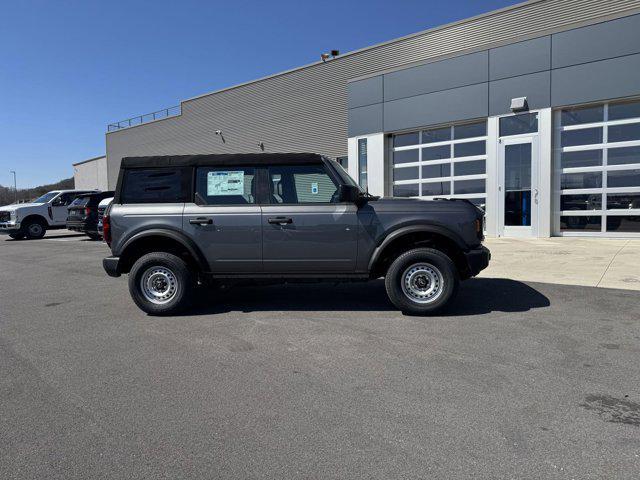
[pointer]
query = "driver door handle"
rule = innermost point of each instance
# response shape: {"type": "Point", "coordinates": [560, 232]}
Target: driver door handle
{"type": "Point", "coordinates": [280, 220]}
{"type": "Point", "coordinates": [200, 221]}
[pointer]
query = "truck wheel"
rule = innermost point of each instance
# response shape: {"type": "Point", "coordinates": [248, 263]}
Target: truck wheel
{"type": "Point", "coordinates": [421, 281]}
{"type": "Point", "coordinates": [94, 236]}
{"type": "Point", "coordinates": [17, 236]}
{"type": "Point", "coordinates": [34, 230]}
{"type": "Point", "coordinates": [161, 283]}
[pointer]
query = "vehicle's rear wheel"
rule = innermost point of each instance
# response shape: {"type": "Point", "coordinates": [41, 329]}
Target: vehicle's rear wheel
{"type": "Point", "coordinates": [17, 236]}
{"type": "Point", "coordinates": [161, 283]}
{"type": "Point", "coordinates": [421, 281]}
{"type": "Point", "coordinates": [34, 229]}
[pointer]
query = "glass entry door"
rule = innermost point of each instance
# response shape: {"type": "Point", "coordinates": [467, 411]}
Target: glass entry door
{"type": "Point", "coordinates": [518, 187]}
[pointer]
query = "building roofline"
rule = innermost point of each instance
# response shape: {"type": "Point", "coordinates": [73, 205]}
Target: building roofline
{"type": "Point", "coordinates": [377, 45]}
{"type": "Point", "coordinates": [89, 160]}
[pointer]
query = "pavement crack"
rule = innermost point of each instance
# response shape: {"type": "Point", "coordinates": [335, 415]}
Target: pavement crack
{"type": "Point", "coordinates": [611, 262]}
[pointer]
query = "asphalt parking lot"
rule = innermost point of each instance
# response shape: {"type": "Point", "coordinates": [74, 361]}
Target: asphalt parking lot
{"type": "Point", "coordinates": [518, 380]}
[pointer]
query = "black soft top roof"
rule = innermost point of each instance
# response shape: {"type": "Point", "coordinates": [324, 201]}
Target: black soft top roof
{"type": "Point", "coordinates": [220, 159]}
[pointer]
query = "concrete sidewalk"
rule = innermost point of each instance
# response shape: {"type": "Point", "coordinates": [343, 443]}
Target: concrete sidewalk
{"type": "Point", "coordinates": [593, 262]}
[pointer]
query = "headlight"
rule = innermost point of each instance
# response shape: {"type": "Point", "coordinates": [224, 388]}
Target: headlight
{"type": "Point", "coordinates": [12, 215]}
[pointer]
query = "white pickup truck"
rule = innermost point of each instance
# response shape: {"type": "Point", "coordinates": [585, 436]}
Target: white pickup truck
{"type": "Point", "coordinates": [32, 220]}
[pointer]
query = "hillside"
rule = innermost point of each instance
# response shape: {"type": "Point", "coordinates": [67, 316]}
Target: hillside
{"type": "Point", "coordinates": [7, 194]}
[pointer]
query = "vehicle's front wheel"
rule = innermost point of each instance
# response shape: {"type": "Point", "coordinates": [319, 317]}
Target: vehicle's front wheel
{"type": "Point", "coordinates": [161, 283]}
{"type": "Point", "coordinates": [17, 236]}
{"type": "Point", "coordinates": [34, 229]}
{"type": "Point", "coordinates": [421, 281]}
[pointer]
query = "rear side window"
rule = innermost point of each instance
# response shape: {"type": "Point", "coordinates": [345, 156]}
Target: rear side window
{"type": "Point", "coordinates": [157, 185]}
{"type": "Point", "coordinates": [225, 186]}
{"type": "Point", "coordinates": [80, 202]}
{"type": "Point", "coordinates": [292, 184]}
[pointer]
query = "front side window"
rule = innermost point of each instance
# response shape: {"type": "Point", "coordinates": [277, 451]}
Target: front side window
{"type": "Point", "coordinates": [155, 185]}
{"type": "Point", "coordinates": [225, 186]}
{"type": "Point", "coordinates": [296, 184]}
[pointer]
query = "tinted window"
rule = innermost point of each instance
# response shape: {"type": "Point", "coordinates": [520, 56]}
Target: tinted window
{"type": "Point", "coordinates": [435, 171]}
{"type": "Point", "coordinates": [291, 184]}
{"type": "Point", "coordinates": [80, 202]}
{"type": "Point", "coordinates": [469, 149]}
{"type": "Point", "coordinates": [436, 135]}
{"type": "Point", "coordinates": [623, 224]}
{"type": "Point", "coordinates": [408, 173]}
{"type": "Point", "coordinates": [624, 133]}
{"type": "Point", "coordinates": [584, 158]}
{"type": "Point", "coordinates": [436, 153]}
{"type": "Point", "coordinates": [405, 139]}
{"type": "Point", "coordinates": [580, 223]}
{"type": "Point", "coordinates": [581, 180]}
{"type": "Point", "coordinates": [623, 178]}
{"type": "Point", "coordinates": [585, 136]}
{"type": "Point", "coordinates": [439, 188]}
{"type": "Point", "coordinates": [619, 111]}
{"type": "Point", "coordinates": [622, 156]}
{"type": "Point", "coordinates": [225, 186]}
{"type": "Point", "coordinates": [405, 190]}
{"type": "Point", "coordinates": [623, 201]}
{"type": "Point", "coordinates": [157, 185]}
{"type": "Point", "coordinates": [581, 202]}
{"type": "Point", "coordinates": [405, 156]}
{"type": "Point", "coordinates": [577, 116]}
{"type": "Point", "coordinates": [468, 186]}
{"type": "Point", "coordinates": [518, 124]}
{"type": "Point", "coordinates": [470, 130]}
{"type": "Point", "coordinates": [469, 168]}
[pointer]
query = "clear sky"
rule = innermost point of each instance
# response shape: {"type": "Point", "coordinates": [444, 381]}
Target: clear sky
{"type": "Point", "coordinates": [69, 67]}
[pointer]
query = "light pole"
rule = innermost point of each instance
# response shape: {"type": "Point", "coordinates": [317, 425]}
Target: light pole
{"type": "Point", "coordinates": [15, 187]}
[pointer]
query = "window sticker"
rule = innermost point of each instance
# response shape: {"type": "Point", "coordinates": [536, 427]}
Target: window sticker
{"type": "Point", "coordinates": [225, 183]}
{"type": "Point", "coordinates": [314, 188]}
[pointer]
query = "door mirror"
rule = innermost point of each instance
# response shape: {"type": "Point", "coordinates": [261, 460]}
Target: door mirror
{"type": "Point", "coordinates": [350, 194]}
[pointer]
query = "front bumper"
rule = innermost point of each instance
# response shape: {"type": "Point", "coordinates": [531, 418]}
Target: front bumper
{"type": "Point", "coordinates": [477, 259]}
{"type": "Point", "coordinates": [110, 265]}
{"type": "Point", "coordinates": [9, 227]}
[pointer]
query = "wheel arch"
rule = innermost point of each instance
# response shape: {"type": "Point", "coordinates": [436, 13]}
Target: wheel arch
{"type": "Point", "coordinates": [160, 240]}
{"type": "Point", "coordinates": [35, 216]}
{"type": "Point", "coordinates": [415, 236]}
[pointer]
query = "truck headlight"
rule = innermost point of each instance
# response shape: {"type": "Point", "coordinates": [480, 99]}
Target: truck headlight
{"type": "Point", "coordinates": [12, 216]}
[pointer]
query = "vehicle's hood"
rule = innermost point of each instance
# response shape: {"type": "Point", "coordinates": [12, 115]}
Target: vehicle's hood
{"type": "Point", "coordinates": [14, 207]}
{"type": "Point", "coordinates": [388, 205]}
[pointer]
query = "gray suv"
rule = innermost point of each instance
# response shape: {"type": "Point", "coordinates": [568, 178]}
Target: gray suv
{"type": "Point", "coordinates": [181, 222]}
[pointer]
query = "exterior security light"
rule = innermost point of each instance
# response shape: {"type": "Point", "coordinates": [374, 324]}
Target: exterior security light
{"type": "Point", "coordinates": [261, 145]}
{"type": "Point", "coordinates": [324, 57]}
{"type": "Point", "coordinates": [519, 104]}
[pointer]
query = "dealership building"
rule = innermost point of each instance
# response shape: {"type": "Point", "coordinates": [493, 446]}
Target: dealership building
{"type": "Point", "coordinates": [531, 111]}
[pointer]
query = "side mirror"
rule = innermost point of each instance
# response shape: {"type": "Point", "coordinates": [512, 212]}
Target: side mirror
{"type": "Point", "coordinates": [350, 194]}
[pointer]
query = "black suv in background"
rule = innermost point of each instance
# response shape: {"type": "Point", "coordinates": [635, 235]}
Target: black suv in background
{"type": "Point", "coordinates": [181, 221]}
{"type": "Point", "coordinates": [83, 213]}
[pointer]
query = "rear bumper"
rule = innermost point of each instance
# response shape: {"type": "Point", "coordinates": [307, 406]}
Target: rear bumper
{"type": "Point", "coordinates": [82, 227]}
{"type": "Point", "coordinates": [110, 265]}
{"type": "Point", "coordinates": [9, 227]}
{"type": "Point", "coordinates": [477, 259]}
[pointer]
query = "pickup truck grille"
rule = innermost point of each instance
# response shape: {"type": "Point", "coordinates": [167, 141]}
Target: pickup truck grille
{"type": "Point", "coordinates": [5, 216]}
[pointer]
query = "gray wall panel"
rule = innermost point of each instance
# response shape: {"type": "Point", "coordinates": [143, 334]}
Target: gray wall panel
{"type": "Point", "coordinates": [597, 42]}
{"type": "Point", "coordinates": [443, 75]}
{"type": "Point", "coordinates": [363, 120]}
{"type": "Point", "coordinates": [439, 107]}
{"type": "Point", "coordinates": [306, 109]}
{"type": "Point", "coordinates": [520, 58]}
{"type": "Point", "coordinates": [536, 87]}
{"type": "Point", "coordinates": [365, 92]}
{"type": "Point", "coordinates": [595, 81]}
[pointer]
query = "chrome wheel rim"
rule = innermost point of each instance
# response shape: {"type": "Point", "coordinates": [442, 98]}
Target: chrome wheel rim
{"type": "Point", "coordinates": [35, 229]}
{"type": "Point", "coordinates": [159, 285]}
{"type": "Point", "coordinates": [422, 283]}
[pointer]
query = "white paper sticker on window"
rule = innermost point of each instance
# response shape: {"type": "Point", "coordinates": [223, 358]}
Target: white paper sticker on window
{"type": "Point", "coordinates": [225, 183]}
{"type": "Point", "coordinates": [314, 188]}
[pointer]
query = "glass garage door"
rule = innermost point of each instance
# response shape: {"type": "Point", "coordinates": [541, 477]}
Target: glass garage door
{"type": "Point", "coordinates": [598, 170]}
{"type": "Point", "coordinates": [446, 162]}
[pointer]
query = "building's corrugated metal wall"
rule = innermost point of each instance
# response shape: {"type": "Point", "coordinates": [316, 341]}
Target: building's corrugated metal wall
{"type": "Point", "coordinates": [306, 109]}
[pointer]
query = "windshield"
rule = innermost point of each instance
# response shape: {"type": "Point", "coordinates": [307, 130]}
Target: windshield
{"type": "Point", "coordinates": [344, 175]}
{"type": "Point", "coordinates": [46, 197]}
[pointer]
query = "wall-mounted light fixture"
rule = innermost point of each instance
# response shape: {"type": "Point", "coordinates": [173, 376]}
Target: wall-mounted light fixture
{"type": "Point", "coordinates": [519, 104]}
{"type": "Point", "coordinates": [326, 56]}
{"type": "Point", "coordinates": [261, 146]}
{"type": "Point", "coordinates": [219, 133]}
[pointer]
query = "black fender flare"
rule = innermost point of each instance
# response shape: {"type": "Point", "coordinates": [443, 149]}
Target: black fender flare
{"type": "Point", "coordinates": [428, 228]}
{"type": "Point", "coordinates": [175, 235]}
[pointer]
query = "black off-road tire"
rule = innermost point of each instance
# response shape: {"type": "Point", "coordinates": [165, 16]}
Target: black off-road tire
{"type": "Point", "coordinates": [17, 236]}
{"type": "Point", "coordinates": [427, 267]}
{"type": "Point", "coordinates": [168, 268]}
{"type": "Point", "coordinates": [34, 229]}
